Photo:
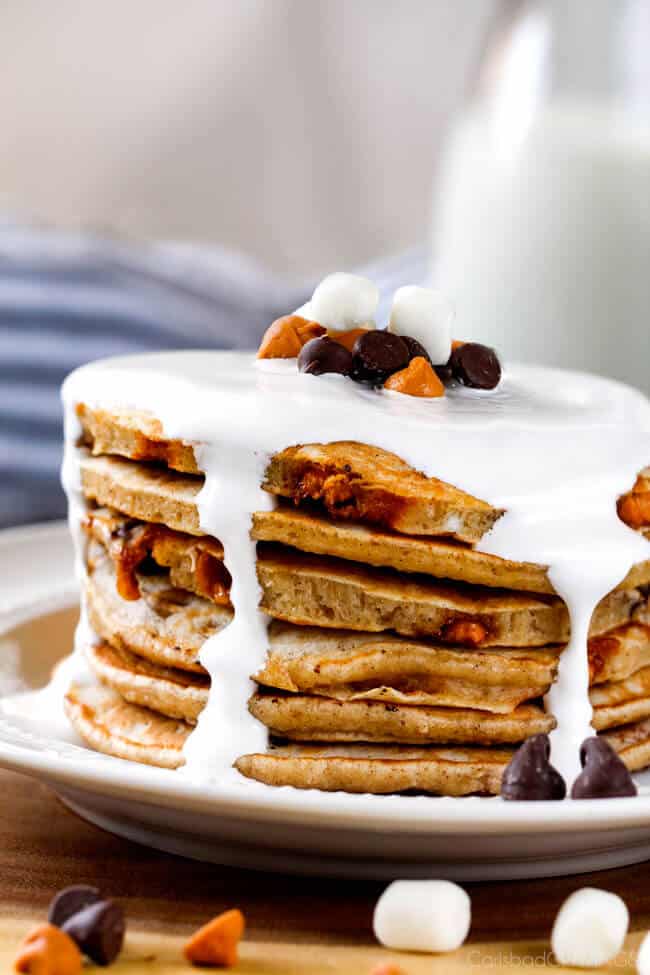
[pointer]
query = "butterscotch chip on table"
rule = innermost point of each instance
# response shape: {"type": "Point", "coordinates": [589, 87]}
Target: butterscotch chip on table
{"type": "Point", "coordinates": [353, 481]}
{"type": "Point", "coordinates": [48, 951]}
{"type": "Point", "coordinates": [216, 943]}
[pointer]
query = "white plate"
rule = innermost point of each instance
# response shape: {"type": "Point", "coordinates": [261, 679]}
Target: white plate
{"type": "Point", "coordinates": [247, 824]}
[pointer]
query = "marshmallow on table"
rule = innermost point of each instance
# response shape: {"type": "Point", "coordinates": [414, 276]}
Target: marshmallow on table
{"type": "Point", "coordinates": [590, 928]}
{"type": "Point", "coordinates": [422, 915]}
{"type": "Point", "coordinates": [425, 315]}
{"type": "Point", "coordinates": [344, 301]}
{"type": "Point", "coordinates": [643, 958]}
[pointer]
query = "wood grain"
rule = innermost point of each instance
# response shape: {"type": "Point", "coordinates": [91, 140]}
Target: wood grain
{"type": "Point", "coordinates": [294, 924]}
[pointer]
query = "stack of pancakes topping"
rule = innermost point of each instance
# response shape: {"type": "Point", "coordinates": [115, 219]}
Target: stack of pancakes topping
{"type": "Point", "coordinates": [400, 657]}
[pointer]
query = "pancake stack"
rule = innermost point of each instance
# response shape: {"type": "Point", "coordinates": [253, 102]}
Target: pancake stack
{"type": "Point", "coordinates": [400, 657]}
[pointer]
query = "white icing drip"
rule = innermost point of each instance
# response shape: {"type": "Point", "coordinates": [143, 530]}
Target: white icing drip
{"type": "Point", "coordinates": [225, 729]}
{"type": "Point", "coordinates": [554, 448]}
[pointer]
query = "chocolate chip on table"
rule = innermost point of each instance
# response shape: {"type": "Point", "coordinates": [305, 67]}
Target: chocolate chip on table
{"type": "Point", "coordinates": [530, 775]}
{"type": "Point", "coordinates": [98, 930]}
{"type": "Point", "coordinates": [323, 355]}
{"type": "Point", "coordinates": [474, 365]}
{"type": "Point", "coordinates": [69, 901]}
{"type": "Point", "coordinates": [604, 775]}
{"type": "Point", "coordinates": [377, 355]}
{"type": "Point", "coordinates": [416, 349]}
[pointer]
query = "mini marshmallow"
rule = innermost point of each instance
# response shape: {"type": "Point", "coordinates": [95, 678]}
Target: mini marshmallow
{"type": "Point", "coordinates": [422, 915]}
{"type": "Point", "coordinates": [344, 301]}
{"type": "Point", "coordinates": [590, 928]}
{"type": "Point", "coordinates": [643, 958]}
{"type": "Point", "coordinates": [425, 315]}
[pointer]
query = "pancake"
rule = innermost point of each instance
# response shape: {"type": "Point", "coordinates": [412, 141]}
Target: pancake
{"type": "Point", "coordinates": [632, 742]}
{"type": "Point", "coordinates": [354, 481]}
{"type": "Point", "coordinates": [109, 724]}
{"type": "Point", "coordinates": [621, 702]}
{"type": "Point", "coordinates": [327, 592]}
{"type": "Point", "coordinates": [152, 494]}
{"type": "Point", "coordinates": [173, 693]}
{"type": "Point", "coordinates": [620, 652]}
{"type": "Point", "coordinates": [133, 434]}
{"type": "Point", "coordinates": [379, 769]}
{"type": "Point", "coordinates": [358, 666]}
{"type": "Point", "coordinates": [167, 626]}
{"type": "Point", "coordinates": [314, 533]}
{"type": "Point", "coordinates": [306, 718]}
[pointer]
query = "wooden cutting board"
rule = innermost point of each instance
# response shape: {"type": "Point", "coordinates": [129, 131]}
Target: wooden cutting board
{"type": "Point", "coordinates": [295, 925]}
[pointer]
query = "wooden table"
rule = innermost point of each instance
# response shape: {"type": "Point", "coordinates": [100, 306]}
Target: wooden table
{"type": "Point", "coordinates": [294, 924]}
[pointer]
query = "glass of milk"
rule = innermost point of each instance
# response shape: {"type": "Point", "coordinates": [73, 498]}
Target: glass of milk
{"type": "Point", "coordinates": [542, 205]}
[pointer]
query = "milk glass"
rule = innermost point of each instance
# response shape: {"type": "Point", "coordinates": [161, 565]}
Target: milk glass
{"type": "Point", "coordinates": [542, 205]}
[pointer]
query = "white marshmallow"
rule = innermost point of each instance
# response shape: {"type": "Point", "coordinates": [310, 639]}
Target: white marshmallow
{"type": "Point", "coordinates": [590, 928]}
{"type": "Point", "coordinates": [342, 301]}
{"type": "Point", "coordinates": [643, 958]}
{"type": "Point", "coordinates": [425, 315]}
{"type": "Point", "coordinates": [422, 915]}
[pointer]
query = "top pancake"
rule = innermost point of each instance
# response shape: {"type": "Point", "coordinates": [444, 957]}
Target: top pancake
{"type": "Point", "coordinates": [133, 434]}
{"type": "Point", "coordinates": [351, 480]}
{"type": "Point", "coordinates": [356, 482]}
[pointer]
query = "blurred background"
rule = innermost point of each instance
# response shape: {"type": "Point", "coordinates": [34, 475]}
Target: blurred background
{"type": "Point", "coordinates": [181, 174]}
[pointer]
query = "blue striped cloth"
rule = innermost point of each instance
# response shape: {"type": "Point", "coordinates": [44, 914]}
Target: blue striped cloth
{"type": "Point", "coordinates": [68, 298]}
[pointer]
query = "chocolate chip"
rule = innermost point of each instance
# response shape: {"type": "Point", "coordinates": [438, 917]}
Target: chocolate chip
{"type": "Point", "coordinates": [377, 355]}
{"type": "Point", "coordinates": [530, 775]}
{"type": "Point", "coordinates": [69, 901]}
{"type": "Point", "coordinates": [604, 775]}
{"type": "Point", "coordinates": [416, 349]}
{"type": "Point", "coordinates": [322, 355]}
{"type": "Point", "coordinates": [98, 931]}
{"type": "Point", "coordinates": [475, 365]}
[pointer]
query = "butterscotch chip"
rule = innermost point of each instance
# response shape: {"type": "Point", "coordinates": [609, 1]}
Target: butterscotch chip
{"type": "Point", "coordinates": [418, 379]}
{"type": "Point", "coordinates": [286, 336]}
{"type": "Point", "coordinates": [215, 944]}
{"type": "Point", "coordinates": [48, 951]}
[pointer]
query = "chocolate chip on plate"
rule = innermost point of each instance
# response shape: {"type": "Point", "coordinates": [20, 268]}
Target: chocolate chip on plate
{"type": "Point", "coordinates": [530, 775]}
{"type": "Point", "coordinates": [69, 901]}
{"type": "Point", "coordinates": [377, 355]}
{"type": "Point", "coordinates": [416, 349]}
{"type": "Point", "coordinates": [323, 355]}
{"type": "Point", "coordinates": [475, 365]}
{"type": "Point", "coordinates": [604, 775]}
{"type": "Point", "coordinates": [98, 931]}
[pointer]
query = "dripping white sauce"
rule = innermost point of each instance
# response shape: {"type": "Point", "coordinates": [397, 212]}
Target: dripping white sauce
{"type": "Point", "coordinates": [553, 448]}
